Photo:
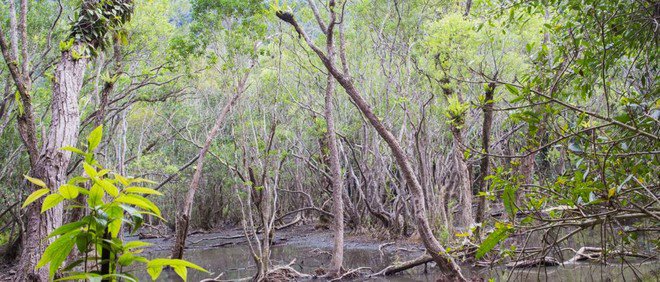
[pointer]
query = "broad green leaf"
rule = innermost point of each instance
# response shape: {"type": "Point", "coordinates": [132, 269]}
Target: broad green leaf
{"type": "Point", "coordinates": [110, 188]}
{"type": "Point", "coordinates": [81, 276]}
{"type": "Point", "coordinates": [51, 201]}
{"type": "Point", "coordinates": [66, 228]}
{"type": "Point", "coordinates": [89, 169]}
{"type": "Point", "coordinates": [94, 138]}
{"type": "Point", "coordinates": [173, 263]}
{"type": "Point", "coordinates": [56, 253]}
{"type": "Point", "coordinates": [136, 244]}
{"type": "Point", "coordinates": [501, 232]}
{"type": "Point", "coordinates": [73, 150]}
{"type": "Point", "coordinates": [138, 201]}
{"type": "Point", "coordinates": [509, 200]}
{"type": "Point", "coordinates": [95, 196]}
{"type": "Point", "coordinates": [182, 271]}
{"type": "Point", "coordinates": [115, 214]}
{"type": "Point", "coordinates": [35, 196]}
{"type": "Point", "coordinates": [512, 89]}
{"type": "Point", "coordinates": [154, 271]}
{"type": "Point", "coordinates": [36, 181]}
{"type": "Point", "coordinates": [69, 191]}
{"type": "Point", "coordinates": [142, 190]}
{"type": "Point", "coordinates": [121, 179]}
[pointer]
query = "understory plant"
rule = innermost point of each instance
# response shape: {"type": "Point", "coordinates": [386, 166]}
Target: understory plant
{"type": "Point", "coordinates": [112, 202]}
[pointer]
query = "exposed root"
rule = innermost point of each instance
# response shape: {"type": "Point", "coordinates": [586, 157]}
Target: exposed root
{"type": "Point", "coordinates": [285, 273]}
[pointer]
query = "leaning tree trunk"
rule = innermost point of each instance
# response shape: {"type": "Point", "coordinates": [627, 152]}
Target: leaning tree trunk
{"type": "Point", "coordinates": [440, 256]}
{"type": "Point", "coordinates": [52, 164]}
{"type": "Point", "coordinates": [183, 218]}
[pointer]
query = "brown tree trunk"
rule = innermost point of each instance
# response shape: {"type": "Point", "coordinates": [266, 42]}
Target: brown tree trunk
{"type": "Point", "coordinates": [461, 182]}
{"type": "Point", "coordinates": [183, 218]}
{"type": "Point", "coordinates": [484, 169]}
{"type": "Point", "coordinates": [440, 256]}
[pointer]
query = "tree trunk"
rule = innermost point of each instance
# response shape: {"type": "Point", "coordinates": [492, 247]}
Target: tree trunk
{"type": "Point", "coordinates": [183, 218]}
{"type": "Point", "coordinates": [336, 182]}
{"type": "Point", "coordinates": [462, 182]}
{"type": "Point", "coordinates": [484, 169]}
{"type": "Point", "coordinates": [52, 164]}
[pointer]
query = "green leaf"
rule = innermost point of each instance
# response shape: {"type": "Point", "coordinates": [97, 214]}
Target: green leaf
{"type": "Point", "coordinates": [36, 181]}
{"type": "Point", "coordinates": [73, 149]}
{"type": "Point", "coordinates": [509, 200]}
{"type": "Point", "coordinates": [66, 228]}
{"type": "Point", "coordinates": [51, 201]}
{"type": "Point", "coordinates": [94, 138]}
{"type": "Point", "coordinates": [142, 190]}
{"type": "Point", "coordinates": [512, 89]}
{"type": "Point", "coordinates": [138, 201]}
{"type": "Point", "coordinates": [56, 253]}
{"type": "Point", "coordinates": [81, 276]}
{"type": "Point", "coordinates": [68, 191]}
{"type": "Point", "coordinates": [155, 266]}
{"type": "Point", "coordinates": [110, 188]}
{"type": "Point", "coordinates": [95, 196]}
{"type": "Point", "coordinates": [182, 271]}
{"type": "Point", "coordinates": [501, 232]}
{"type": "Point", "coordinates": [89, 169]}
{"type": "Point", "coordinates": [154, 272]}
{"type": "Point", "coordinates": [35, 196]}
{"type": "Point", "coordinates": [136, 244]}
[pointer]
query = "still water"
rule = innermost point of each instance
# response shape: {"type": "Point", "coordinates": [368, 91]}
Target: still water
{"type": "Point", "coordinates": [236, 262]}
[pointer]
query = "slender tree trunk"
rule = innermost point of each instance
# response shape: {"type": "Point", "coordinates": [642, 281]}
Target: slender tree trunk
{"type": "Point", "coordinates": [335, 169]}
{"type": "Point", "coordinates": [183, 218]}
{"type": "Point", "coordinates": [440, 256]}
{"type": "Point", "coordinates": [336, 182]}
{"type": "Point", "coordinates": [484, 168]}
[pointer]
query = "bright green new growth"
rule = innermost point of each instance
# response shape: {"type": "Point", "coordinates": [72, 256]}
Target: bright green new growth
{"type": "Point", "coordinates": [112, 201]}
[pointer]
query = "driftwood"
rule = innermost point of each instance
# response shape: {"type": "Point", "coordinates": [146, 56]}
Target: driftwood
{"type": "Point", "coordinates": [544, 261]}
{"type": "Point", "coordinates": [399, 267]}
{"type": "Point", "coordinates": [351, 274]}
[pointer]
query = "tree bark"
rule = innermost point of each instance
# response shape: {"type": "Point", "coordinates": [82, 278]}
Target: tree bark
{"type": "Point", "coordinates": [52, 163]}
{"type": "Point", "coordinates": [440, 256]}
{"type": "Point", "coordinates": [484, 168]}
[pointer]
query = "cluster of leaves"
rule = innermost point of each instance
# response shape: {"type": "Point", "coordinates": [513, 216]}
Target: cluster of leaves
{"type": "Point", "coordinates": [95, 21]}
{"type": "Point", "coordinates": [455, 111]}
{"type": "Point", "coordinates": [112, 202]}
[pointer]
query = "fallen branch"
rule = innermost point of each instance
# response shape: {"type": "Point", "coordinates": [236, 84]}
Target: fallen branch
{"type": "Point", "coordinates": [396, 268]}
{"type": "Point", "coordinates": [351, 274]}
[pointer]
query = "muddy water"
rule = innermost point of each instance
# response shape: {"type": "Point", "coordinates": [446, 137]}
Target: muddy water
{"type": "Point", "coordinates": [236, 262]}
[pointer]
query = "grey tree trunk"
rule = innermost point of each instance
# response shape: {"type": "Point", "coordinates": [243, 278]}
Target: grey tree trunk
{"type": "Point", "coordinates": [52, 163]}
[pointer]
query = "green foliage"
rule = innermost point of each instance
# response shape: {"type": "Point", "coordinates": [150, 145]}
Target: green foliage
{"type": "Point", "coordinates": [113, 202]}
{"type": "Point", "coordinates": [95, 21]}
{"type": "Point", "coordinates": [501, 232]}
{"type": "Point", "coordinates": [455, 111]}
